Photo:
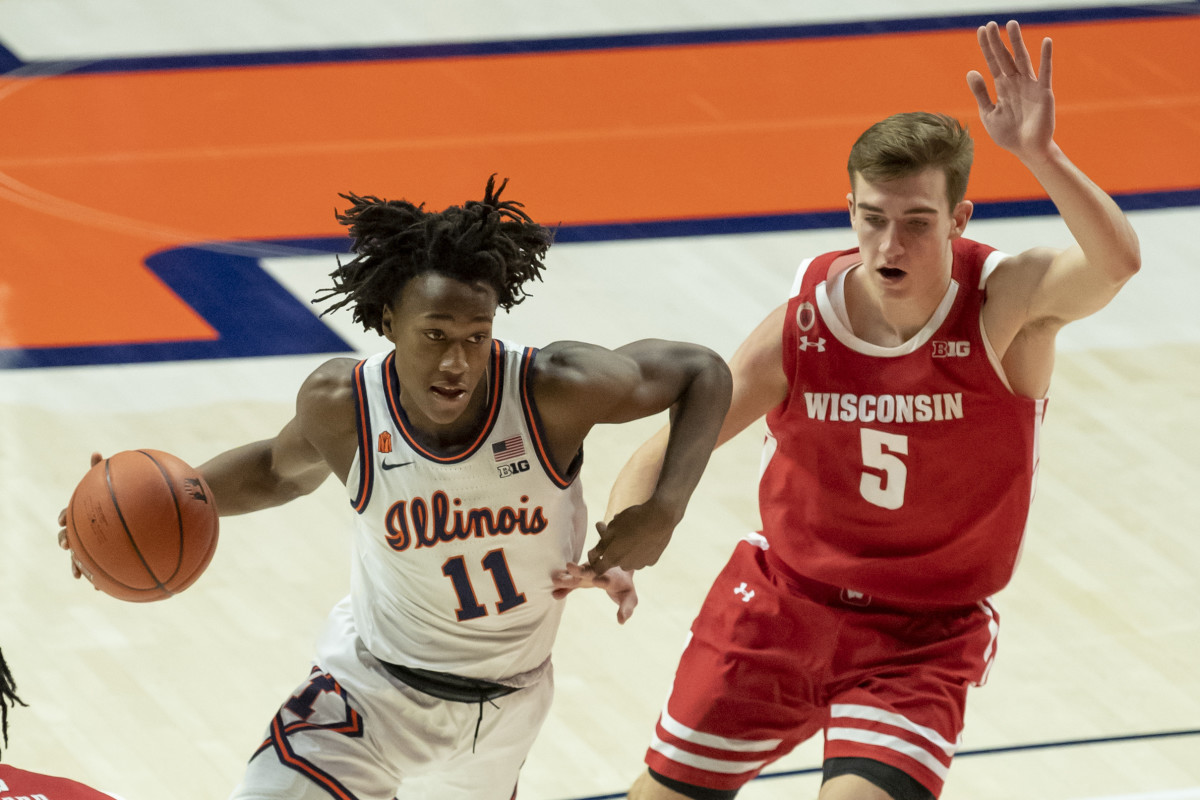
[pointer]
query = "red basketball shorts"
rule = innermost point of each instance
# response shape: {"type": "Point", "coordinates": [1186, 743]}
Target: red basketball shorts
{"type": "Point", "coordinates": [769, 664]}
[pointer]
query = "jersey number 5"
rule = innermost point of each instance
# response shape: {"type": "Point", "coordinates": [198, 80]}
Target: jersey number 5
{"type": "Point", "coordinates": [884, 473]}
{"type": "Point", "coordinates": [468, 604]}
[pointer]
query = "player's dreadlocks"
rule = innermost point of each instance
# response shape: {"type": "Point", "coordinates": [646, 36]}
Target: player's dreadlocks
{"type": "Point", "coordinates": [493, 241]}
{"type": "Point", "coordinates": [8, 693]}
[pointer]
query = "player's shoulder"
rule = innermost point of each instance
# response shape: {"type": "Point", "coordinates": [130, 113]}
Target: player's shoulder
{"type": "Point", "coordinates": [1018, 271]}
{"type": "Point", "coordinates": [328, 394]}
{"type": "Point", "coordinates": [333, 376]}
{"type": "Point", "coordinates": [568, 361]}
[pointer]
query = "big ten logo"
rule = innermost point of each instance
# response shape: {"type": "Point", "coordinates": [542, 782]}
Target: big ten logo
{"type": "Point", "coordinates": [516, 467]}
{"type": "Point", "coordinates": [951, 349]}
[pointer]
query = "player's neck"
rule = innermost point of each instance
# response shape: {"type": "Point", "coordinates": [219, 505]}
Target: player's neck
{"type": "Point", "coordinates": [886, 318]}
{"type": "Point", "coordinates": [453, 437]}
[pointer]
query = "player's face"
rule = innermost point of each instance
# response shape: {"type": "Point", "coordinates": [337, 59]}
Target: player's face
{"type": "Point", "coordinates": [442, 329]}
{"type": "Point", "coordinates": [905, 227]}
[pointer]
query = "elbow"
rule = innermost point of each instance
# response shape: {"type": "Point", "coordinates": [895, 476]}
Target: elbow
{"type": "Point", "coordinates": [1132, 265]}
{"type": "Point", "coordinates": [715, 373]}
{"type": "Point", "coordinates": [1131, 261]}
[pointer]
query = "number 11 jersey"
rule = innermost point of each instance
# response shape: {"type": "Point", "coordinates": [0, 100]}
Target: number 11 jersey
{"type": "Point", "coordinates": [452, 554]}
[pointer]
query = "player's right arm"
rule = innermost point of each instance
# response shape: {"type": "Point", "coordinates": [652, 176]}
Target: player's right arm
{"type": "Point", "coordinates": [759, 384]}
{"type": "Point", "coordinates": [318, 440]}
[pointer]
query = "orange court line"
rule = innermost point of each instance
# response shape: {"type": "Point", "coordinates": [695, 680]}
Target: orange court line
{"type": "Point", "coordinates": [105, 169]}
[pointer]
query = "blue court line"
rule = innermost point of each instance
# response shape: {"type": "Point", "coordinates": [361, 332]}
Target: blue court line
{"type": "Point", "coordinates": [792, 773]}
{"type": "Point", "coordinates": [9, 62]}
{"type": "Point", "coordinates": [255, 316]}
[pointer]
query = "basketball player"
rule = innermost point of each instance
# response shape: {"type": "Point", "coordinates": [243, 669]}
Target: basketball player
{"type": "Point", "coordinates": [903, 384]}
{"type": "Point", "coordinates": [461, 455]}
{"type": "Point", "coordinates": [18, 783]}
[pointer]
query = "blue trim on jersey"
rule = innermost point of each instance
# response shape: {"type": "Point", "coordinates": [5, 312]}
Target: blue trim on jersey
{"type": "Point", "coordinates": [537, 431]}
{"type": "Point", "coordinates": [391, 384]}
{"type": "Point", "coordinates": [366, 453]}
{"type": "Point", "coordinates": [670, 38]}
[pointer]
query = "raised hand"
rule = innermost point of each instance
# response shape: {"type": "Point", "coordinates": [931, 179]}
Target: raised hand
{"type": "Point", "coordinates": [1021, 120]}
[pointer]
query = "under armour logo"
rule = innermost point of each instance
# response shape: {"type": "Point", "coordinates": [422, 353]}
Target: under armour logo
{"type": "Point", "coordinates": [744, 592]}
{"type": "Point", "coordinates": [819, 343]}
{"type": "Point", "coordinates": [853, 598]}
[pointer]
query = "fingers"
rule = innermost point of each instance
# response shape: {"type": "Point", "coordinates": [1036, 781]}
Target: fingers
{"type": "Point", "coordinates": [598, 561]}
{"type": "Point", "coordinates": [1020, 54]}
{"type": "Point", "coordinates": [627, 605]}
{"type": "Point", "coordinates": [1046, 65]}
{"type": "Point", "coordinates": [978, 87]}
{"type": "Point", "coordinates": [995, 54]}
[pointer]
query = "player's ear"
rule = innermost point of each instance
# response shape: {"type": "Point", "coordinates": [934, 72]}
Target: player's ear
{"type": "Point", "coordinates": [961, 215]}
{"type": "Point", "coordinates": [850, 207]}
{"type": "Point", "coordinates": [385, 321]}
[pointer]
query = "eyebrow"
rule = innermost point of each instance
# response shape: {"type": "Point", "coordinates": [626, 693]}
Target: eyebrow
{"type": "Point", "coordinates": [439, 317]}
{"type": "Point", "coordinates": [913, 210]}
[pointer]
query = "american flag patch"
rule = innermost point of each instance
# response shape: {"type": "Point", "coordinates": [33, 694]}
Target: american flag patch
{"type": "Point", "coordinates": [510, 448]}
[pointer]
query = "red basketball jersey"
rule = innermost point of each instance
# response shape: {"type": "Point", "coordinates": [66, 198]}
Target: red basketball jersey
{"type": "Point", "coordinates": [902, 473]}
{"type": "Point", "coordinates": [21, 785]}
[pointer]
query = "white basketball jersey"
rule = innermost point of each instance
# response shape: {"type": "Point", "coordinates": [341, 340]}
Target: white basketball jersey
{"type": "Point", "coordinates": [452, 555]}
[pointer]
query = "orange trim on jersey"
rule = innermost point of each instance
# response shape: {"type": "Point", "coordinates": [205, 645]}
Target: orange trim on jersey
{"type": "Point", "coordinates": [366, 461]}
{"type": "Point", "coordinates": [533, 421]}
{"type": "Point", "coordinates": [289, 758]}
{"type": "Point", "coordinates": [401, 420]}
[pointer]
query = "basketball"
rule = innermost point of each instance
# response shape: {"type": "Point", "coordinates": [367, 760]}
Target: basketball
{"type": "Point", "coordinates": [142, 525]}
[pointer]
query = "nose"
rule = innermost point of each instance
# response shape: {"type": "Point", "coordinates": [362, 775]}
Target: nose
{"type": "Point", "coordinates": [454, 359]}
{"type": "Point", "coordinates": [889, 242]}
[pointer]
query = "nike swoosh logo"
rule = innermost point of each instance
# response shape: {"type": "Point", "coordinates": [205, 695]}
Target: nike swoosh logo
{"type": "Point", "coordinates": [386, 465]}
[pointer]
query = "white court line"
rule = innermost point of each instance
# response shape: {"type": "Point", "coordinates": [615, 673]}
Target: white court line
{"type": "Point", "coordinates": [1170, 794]}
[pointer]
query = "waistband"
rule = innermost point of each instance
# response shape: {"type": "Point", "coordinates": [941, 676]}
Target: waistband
{"type": "Point", "coordinates": [445, 686]}
{"type": "Point", "coordinates": [842, 597]}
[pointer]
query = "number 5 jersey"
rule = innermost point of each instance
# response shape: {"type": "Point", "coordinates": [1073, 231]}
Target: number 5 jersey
{"type": "Point", "coordinates": [900, 473]}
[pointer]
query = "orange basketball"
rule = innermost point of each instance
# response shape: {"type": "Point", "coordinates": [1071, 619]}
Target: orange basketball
{"type": "Point", "coordinates": [142, 525]}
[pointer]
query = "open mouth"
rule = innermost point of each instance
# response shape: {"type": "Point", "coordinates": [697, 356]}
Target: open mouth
{"type": "Point", "coordinates": [449, 393]}
{"type": "Point", "coordinates": [892, 273]}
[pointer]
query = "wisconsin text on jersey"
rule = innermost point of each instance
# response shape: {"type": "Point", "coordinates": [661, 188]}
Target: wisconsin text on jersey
{"type": "Point", "coordinates": [834, 407]}
{"type": "Point", "coordinates": [411, 520]}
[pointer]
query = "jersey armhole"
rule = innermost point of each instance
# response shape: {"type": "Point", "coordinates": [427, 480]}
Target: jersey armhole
{"type": "Point", "coordinates": [533, 422]}
{"type": "Point", "coordinates": [364, 473]}
{"type": "Point", "coordinates": [989, 266]}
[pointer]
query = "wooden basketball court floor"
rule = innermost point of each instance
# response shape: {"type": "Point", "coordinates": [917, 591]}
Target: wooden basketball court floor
{"type": "Point", "coordinates": [168, 175]}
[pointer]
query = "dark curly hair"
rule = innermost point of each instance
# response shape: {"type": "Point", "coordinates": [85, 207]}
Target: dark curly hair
{"type": "Point", "coordinates": [492, 241]}
{"type": "Point", "coordinates": [8, 693]}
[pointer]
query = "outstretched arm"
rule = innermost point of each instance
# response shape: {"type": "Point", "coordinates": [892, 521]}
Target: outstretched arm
{"type": "Point", "coordinates": [300, 457]}
{"type": "Point", "coordinates": [583, 385]}
{"type": "Point", "coordinates": [298, 460]}
{"type": "Point", "coordinates": [1046, 288]}
{"type": "Point", "coordinates": [759, 385]}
